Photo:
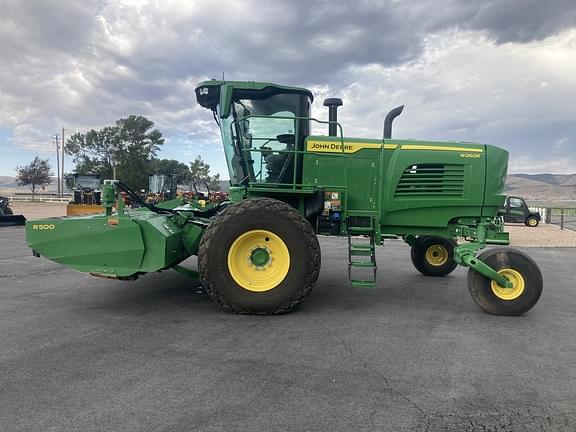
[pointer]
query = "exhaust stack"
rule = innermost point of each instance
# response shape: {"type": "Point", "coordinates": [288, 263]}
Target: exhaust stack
{"type": "Point", "coordinates": [333, 104]}
{"type": "Point", "coordinates": [389, 119]}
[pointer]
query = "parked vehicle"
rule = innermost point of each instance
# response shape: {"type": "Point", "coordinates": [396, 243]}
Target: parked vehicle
{"type": "Point", "coordinates": [515, 210]}
{"type": "Point", "coordinates": [7, 216]}
{"type": "Point", "coordinates": [86, 195]}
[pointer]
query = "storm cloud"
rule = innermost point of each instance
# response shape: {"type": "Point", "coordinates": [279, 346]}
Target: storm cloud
{"type": "Point", "coordinates": [499, 71]}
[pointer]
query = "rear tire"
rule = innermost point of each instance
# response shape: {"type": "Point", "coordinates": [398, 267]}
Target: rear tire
{"type": "Point", "coordinates": [259, 256]}
{"type": "Point", "coordinates": [8, 211]}
{"type": "Point", "coordinates": [531, 222]}
{"type": "Point", "coordinates": [433, 256]}
{"type": "Point", "coordinates": [519, 269]}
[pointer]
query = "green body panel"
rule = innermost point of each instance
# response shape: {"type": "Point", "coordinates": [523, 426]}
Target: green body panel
{"type": "Point", "coordinates": [496, 171]}
{"type": "Point", "coordinates": [109, 246]}
{"type": "Point", "coordinates": [409, 186]}
{"type": "Point", "coordinates": [162, 241]}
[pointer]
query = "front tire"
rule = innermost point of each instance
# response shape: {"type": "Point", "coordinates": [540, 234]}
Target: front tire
{"type": "Point", "coordinates": [433, 256]}
{"type": "Point", "coordinates": [531, 222]}
{"type": "Point", "coordinates": [259, 256]}
{"type": "Point", "coordinates": [519, 269]}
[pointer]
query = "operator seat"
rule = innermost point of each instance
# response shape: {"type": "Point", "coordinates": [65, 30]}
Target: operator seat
{"type": "Point", "coordinates": [280, 166]}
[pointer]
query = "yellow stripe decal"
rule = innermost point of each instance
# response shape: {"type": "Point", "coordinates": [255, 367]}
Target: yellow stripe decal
{"type": "Point", "coordinates": [353, 147]}
{"type": "Point", "coordinates": [441, 148]}
{"type": "Point", "coordinates": [349, 146]}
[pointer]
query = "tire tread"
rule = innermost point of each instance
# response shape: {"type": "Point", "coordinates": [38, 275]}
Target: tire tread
{"type": "Point", "coordinates": [229, 216]}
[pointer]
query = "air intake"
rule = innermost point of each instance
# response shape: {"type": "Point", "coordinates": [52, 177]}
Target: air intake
{"type": "Point", "coordinates": [431, 180]}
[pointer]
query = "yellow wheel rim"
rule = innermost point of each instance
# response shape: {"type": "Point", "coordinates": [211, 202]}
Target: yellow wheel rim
{"type": "Point", "coordinates": [436, 255]}
{"type": "Point", "coordinates": [258, 260]}
{"type": "Point", "coordinates": [532, 222]}
{"type": "Point", "coordinates": [517, 281]}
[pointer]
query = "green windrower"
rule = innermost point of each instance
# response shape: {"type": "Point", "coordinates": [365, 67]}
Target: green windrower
{"type": "Point", "coordinates": [258, 251]}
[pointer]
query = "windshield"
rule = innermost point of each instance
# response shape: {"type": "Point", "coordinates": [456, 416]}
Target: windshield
{"type": "Point", "coordinates": [260, 138]}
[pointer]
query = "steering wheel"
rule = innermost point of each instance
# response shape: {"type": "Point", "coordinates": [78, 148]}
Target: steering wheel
{"type": "Point", "coordinates": [286, 138]}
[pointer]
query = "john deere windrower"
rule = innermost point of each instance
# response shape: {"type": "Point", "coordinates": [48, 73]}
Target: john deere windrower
{"type": "Point", "coordinates": [259, 253]}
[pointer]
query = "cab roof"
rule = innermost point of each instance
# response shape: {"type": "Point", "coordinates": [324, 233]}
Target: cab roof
{"type": "Point", "coordinates": [208, 92]}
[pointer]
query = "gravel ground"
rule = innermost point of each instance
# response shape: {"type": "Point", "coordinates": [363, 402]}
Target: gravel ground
{"type": "Point", "coordinates": [37, 210]}
{"type": "Point", "coordinates": [544, 235]}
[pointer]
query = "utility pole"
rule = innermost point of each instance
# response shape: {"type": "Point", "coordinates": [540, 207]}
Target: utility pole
{"type": "Point", "coordinates": [56, 139]}
{"type": "Point", "coordinates": [62, 181]}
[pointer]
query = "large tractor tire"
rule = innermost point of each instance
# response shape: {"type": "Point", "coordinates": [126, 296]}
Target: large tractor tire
{"type": "Point", "coordinates": [519, 269]}
{"type": "Point", "coordinates": [433, 256]}
{"type": "Point", "coordinates": [259, 256]}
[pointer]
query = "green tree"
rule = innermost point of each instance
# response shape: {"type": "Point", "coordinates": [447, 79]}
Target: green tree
{"type": "Point", "coordinates": [200, 172]}
{"type": "Point", "coordinates": [36, 173]}
{"type": "Point", "coordinates": [95, 151]}
{"type": "Point", "coordinates": [172, 167]}
{"type": "Point", "coordinates": [128, 148]}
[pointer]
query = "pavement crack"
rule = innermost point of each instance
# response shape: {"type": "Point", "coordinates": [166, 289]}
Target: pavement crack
{"type": "Point", "coordinates": [366, 366]}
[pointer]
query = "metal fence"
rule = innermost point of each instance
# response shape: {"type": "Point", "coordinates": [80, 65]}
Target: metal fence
{"type": "Point", "coordinates": [564, 217]}
{"type": "Point", "coordinates": [39, 198]}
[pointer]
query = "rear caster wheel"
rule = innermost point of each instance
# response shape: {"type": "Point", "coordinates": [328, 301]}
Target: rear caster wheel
{"type": "Point", "coordinates": [433, 256]}
{"type": "Point", "coordinates": [259, 256]}
{"type": "Point", "coordinates": [519, 269]}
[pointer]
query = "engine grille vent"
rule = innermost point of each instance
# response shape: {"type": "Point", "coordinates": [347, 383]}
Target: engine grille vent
{"type": "Point", "coordinates": [438, 180]}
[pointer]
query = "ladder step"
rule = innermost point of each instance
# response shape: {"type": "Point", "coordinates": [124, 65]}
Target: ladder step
{"type": "Point", "coordinates": [363, 283]}
{"type": "Point", "coordinates": [389, 236]}
{"type": "Point", "coordinates": [360, 252]}
{"type": "Point", "coordinates": [357, 249]}
{"type": "Point", "coordinates": [364, 264]}
{"type": "Point", "coordinates": [360, 230]}
{"type": "Point", "coordinates": [362, 247]}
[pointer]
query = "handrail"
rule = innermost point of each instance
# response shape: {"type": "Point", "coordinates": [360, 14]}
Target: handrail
{"type": "Point", "coordinates": [295, 151]}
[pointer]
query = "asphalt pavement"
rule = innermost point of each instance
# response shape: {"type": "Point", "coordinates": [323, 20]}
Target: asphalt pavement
{"type": "Point", "coordinates": [79, 353]}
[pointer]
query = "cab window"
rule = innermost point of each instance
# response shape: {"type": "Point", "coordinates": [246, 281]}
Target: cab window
{"type": "Point", "coordinates": [516, 203]}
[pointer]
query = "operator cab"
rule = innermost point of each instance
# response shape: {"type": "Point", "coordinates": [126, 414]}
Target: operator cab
{"type": "Point", "coordinates": [263, 127]}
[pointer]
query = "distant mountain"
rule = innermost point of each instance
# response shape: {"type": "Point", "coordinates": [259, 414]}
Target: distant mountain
{"type": "Point", "coordinates": [7, 182]}
{"type": "Point", "coordinates": [542, 187]}
{"type": "Point", "coordinates": [544, 178]}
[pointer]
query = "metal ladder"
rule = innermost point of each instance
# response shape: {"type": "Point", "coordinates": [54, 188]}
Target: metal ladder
{"type": "Point", "coordinates": [358, 249]}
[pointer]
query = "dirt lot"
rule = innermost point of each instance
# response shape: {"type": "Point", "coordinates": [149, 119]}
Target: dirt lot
{"type": "Point", "coordinates": [37, 210]}
{"type": "Point", "coordinates": [542, 236]}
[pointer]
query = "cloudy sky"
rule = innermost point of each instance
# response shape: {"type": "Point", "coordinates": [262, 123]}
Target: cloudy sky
{"type": "Point", "coordinates": [501, 72]}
